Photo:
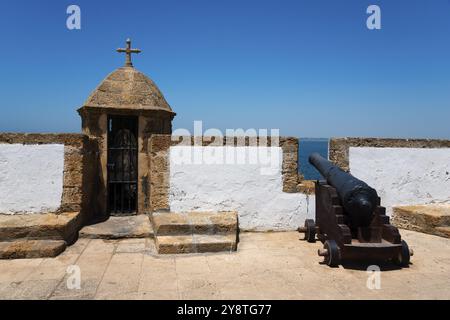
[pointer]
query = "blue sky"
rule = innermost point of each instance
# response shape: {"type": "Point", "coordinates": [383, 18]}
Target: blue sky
{"type": "Point", "coordinates": [310, 68]}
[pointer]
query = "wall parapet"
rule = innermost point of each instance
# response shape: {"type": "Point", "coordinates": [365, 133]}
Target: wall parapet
{"type": "Point", "coordinates": [339, 147]}
{"type": "Point", "coordinates": [71, 139]}
{"type": "Point", "coordinates": [159, 145]}
{"type": "Point", "coordinates": [404, 172]}
{"type": "Point", "coordinates": [78, 172]}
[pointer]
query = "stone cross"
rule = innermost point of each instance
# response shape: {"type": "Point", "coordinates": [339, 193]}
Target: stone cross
{"type": "Point", "coordinates": [128, 52]}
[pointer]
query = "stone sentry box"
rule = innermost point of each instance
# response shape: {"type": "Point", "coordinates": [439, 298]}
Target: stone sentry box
{"type": "Point", "coordinates": [129, 93]}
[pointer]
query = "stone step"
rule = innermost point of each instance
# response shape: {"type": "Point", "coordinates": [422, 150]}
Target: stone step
{"type": "Point", "coordinates": [138, 226]}
{"type": "Point", "coordinates": [196, 243]}
{"type": "Point", "coordinates": [168, 223]}
{"type": "Point", "coordinates": [25, 249]}
{"type": "Point", "coordinates": [51, 226]}
{"type": "Point", "coordinates": [443, 231]}
{"type": "Point", "coordinates": [428, 218]}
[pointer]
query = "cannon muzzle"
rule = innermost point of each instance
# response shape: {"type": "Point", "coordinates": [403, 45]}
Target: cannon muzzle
{"type": "Point", "coordinates": [358, 199]}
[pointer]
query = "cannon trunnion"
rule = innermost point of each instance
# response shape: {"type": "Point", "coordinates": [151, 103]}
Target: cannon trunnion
{"type": "Point", "coordinates": [350, 221]}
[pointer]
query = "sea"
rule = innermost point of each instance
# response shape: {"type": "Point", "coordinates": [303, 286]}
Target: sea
{"type": "Point", "coordinates": [306, 147]}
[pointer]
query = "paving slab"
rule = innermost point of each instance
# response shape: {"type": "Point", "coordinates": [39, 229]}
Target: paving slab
{"type": "Point", "coordinates": [115, 280]}
{"type": "Point", "coordinates": [132, 246]}
{"type": "Point", "coordinates": [158, 275]}
{"type": "Point", "coordinates": [287, 269]}
{"type": "Point", "coordinates": [87, 290]}
{"type": "Point", "coordinates": [35, 289]}
{"type": "Point", "coordinates": [138, 226]}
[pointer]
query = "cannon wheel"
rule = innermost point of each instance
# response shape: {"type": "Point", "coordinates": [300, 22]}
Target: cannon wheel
{"type": "Point", "coordinates": [310, 234]}
{"type": "Point", "coordinates": [332, 257]}
{"type": "Point", "coordinates": [404, 256]}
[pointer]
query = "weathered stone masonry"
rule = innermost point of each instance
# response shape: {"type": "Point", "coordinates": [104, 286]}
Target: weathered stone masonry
{"type": "Point", "coordinates": [159, 163]}
{"type": "Point", "coordinates": [79, 183]}
{"type": "Point", "coordinates": [405, 172]}
{"type": "Point", "coordinates": [125, 92]}
{"type": "Point", "coordinates": [339, 147]}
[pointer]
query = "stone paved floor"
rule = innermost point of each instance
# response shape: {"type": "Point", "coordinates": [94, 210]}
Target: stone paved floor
{"type": "Point", "coordinates": [267, 266]}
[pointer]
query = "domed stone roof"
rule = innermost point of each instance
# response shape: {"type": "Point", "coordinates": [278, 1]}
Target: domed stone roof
{"type": "Point", "coordinates": [127, 88]}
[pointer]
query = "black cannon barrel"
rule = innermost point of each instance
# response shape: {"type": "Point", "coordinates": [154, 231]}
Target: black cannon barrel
{"type": "Point", "coordinates": [358, 198]}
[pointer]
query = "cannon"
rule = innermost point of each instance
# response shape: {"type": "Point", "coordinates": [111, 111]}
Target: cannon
{"type": "Point", "coordinates": [350, 222]}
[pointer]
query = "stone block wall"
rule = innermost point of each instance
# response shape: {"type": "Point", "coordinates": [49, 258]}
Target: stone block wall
{"type": "Point", "coordinates": [339, 147]}
{"type": "Point", "coordinates": [403, 171]}
{"type": "Point", "coordinates": [78, 173]}
{"type": "Point", "coordinates": [273, 202]}
{"type": "Point", "coordinates": [159, 145]}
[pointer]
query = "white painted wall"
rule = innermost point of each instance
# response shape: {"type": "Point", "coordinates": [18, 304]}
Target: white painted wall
{"type": "Point", "coordinates": [404, 176]}
{"type": "Point", "coordinates": [252, 188]}
{"type": "Point", "coordinates": [31, 178]}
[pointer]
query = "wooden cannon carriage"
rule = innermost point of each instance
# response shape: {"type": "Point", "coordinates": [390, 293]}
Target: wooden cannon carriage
{"type": "Point", "coordinates": [350, 221]}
